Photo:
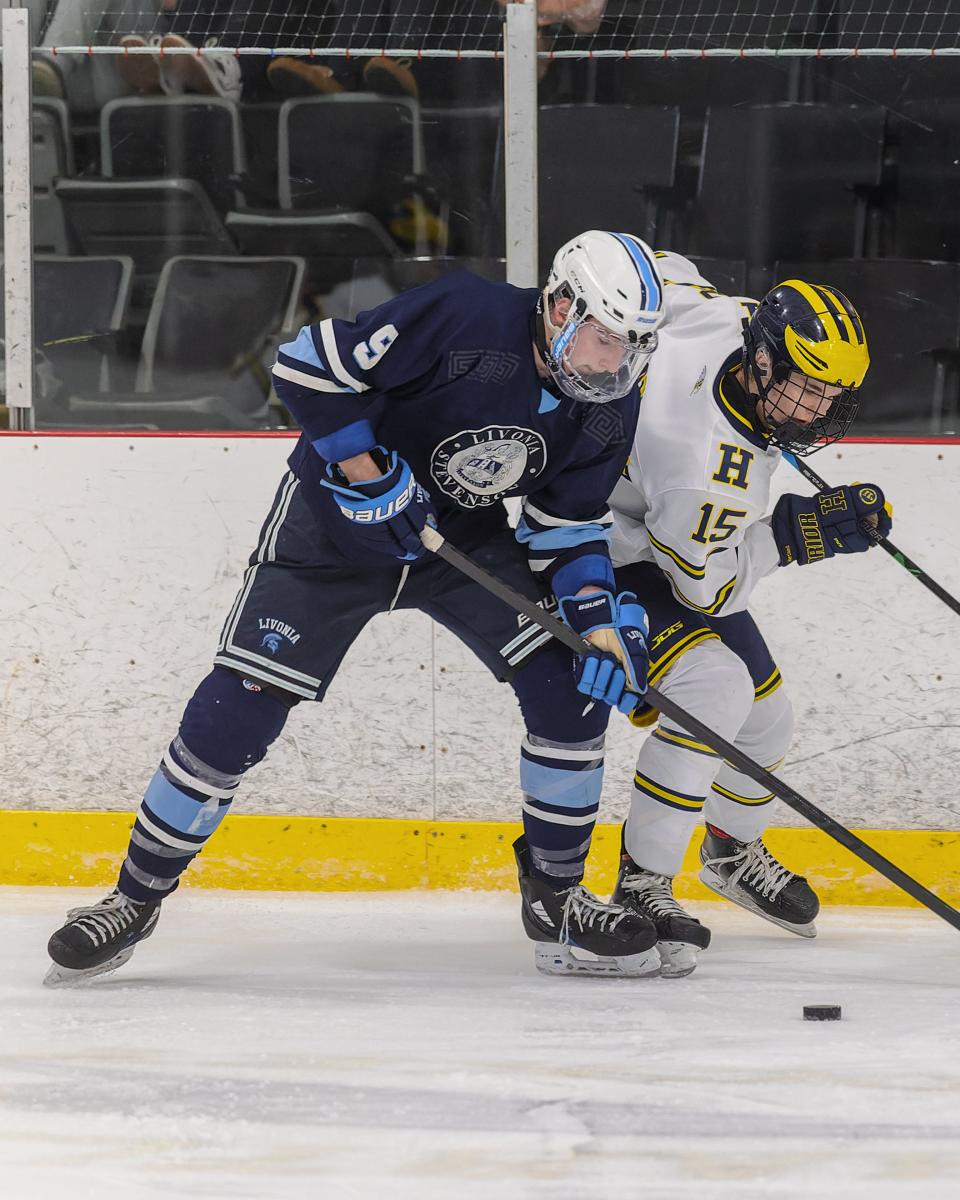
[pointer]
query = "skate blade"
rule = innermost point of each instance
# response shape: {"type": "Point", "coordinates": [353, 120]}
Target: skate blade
{"type": "Point", "coordinates": [677, 959]}
{"type": "Point", "coordinates": [554, 959]}
{"type": "Point", "coordinates": [716, 884]}
{"type": "Point", "coordinates": [58, 976]}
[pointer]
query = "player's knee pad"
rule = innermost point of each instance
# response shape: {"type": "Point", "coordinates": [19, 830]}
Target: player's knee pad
{"type": "Point", "coordinates": [552, 708]}
{"type": "Point", "coordinates": [712, 683]}
{"type": "Point", "coordinates": [230, 722]}
{"type": "Point", "coordinates": [768, 731]}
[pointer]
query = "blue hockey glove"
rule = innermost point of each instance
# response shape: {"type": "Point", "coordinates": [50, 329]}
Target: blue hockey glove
{"type": "Point", "coordinates": [616, 671]}
{"type": "Point", "coordinates": [386, 513]}
{"type": "Point", "coordinates": [810, 528]}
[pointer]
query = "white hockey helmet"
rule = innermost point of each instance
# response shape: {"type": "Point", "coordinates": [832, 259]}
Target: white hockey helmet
{"type": "Point", "coordinates": [596, 345]}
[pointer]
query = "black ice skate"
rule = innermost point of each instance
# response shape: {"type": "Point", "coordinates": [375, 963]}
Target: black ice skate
{"type": "Point", "coordinates": [577, 934]}
{"type": "Point", "coordinates": [99, 938]}
{"type": "Point", "coordinates": [749, 875]}
{"type": "Point", "coordinates": [680, 936]}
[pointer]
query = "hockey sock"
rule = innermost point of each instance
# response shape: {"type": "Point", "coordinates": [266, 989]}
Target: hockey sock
{"type": "Point", "coordinates": [738, 804]}
{"type": "Point", "coordinates": [227, 726]}
{"type": "Point", "coordinates": [561, 785]}
{"type": "Point", "coordinates": [675, 769]}
{"type": "Point", "coordinates": [561, 766]}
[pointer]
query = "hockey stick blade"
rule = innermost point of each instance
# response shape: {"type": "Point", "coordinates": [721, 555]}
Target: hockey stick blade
{"type": "Point", "coordinates": [435, 542]}
{"type": "Point", "coordinates": [871, 532]}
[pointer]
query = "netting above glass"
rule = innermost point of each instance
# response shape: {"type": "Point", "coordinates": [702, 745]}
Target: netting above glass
{"type": "Point", "coordinates": [474, 28]}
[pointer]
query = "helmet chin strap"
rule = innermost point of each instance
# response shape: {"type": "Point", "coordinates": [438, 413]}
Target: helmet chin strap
{"type": "Point", "coordinates": [540, 339]}
{"type": "Point", "coordinates": [751, 370]}
{"type": "Point", "coordinates": [538, 329]}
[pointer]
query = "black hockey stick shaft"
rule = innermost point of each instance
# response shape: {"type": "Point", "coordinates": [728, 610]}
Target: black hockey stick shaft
{"type": "Point", "coordinates": [435, 542]}
{"type": "Point", "coordinates": [874, 534]}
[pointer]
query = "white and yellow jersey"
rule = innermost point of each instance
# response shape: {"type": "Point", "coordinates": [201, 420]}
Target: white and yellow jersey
{"type": "Point", "coordinates": [695, 491]}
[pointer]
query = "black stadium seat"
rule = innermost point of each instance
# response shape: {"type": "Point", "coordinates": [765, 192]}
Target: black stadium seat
{"type": "Point", "coordinates": [211, 321]}
{"type": "Point", "coordinates": [583, 186]}
{"type": "Point", "coordinates": [928, 179]}
{"type": "Point", "coordinates": [188, 137]}
{"type": "Point", "coordinates": [787, 181]}
{"type": "Point", "coordinates": [463, 163]}
{"type": "Point", "coordinates": [693, 84]}
{"type": "Point", "coordinates": [79, 305]}
{"type": "Point", "coordinates": [352, 152]}
{"type": "Point", "coordinates": [149, 220]}
{"type": "Point", "coordinates": [911, 314]}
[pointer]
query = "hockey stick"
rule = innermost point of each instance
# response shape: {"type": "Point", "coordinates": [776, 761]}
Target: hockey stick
{"type": "Point", "coordinates": [435, 542]}
{"type": "Point", "coordinates": [875, 536]}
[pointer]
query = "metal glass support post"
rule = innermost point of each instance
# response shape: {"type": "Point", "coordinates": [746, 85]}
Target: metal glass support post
{"type": "Point", "coordinates": [17, 217]}
{"type": "Point", "coordinates": [520, 133]}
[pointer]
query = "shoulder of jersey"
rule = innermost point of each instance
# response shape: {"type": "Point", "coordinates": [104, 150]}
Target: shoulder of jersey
{"type": "Point", "coordinates": [680, 421]}
{"type": "Point", "coordinates": [466, 285]}
{"type": "Point", "coordinates": [693, 307]}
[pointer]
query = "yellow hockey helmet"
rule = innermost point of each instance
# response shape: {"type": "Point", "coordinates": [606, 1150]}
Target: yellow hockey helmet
{"type": "Point", "coordinates": [815, 330]}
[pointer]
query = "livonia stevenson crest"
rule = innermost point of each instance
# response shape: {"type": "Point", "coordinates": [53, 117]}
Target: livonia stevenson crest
{"type": "Point", "coordinates": [479, 466]}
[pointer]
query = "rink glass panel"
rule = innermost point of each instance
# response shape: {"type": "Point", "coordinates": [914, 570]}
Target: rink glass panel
{"type": "Point", "coordinates": [181, 236]}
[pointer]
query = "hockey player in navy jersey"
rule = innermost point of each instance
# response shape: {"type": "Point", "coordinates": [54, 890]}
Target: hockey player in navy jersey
{"type": "Point", "coordinates": [434, 407]}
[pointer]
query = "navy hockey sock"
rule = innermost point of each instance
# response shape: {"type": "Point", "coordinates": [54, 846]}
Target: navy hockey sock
{"type": "Point", "coordinates": [227, 727]}
{"type": "Point", "coordinates": [561, 785]}
{"type": "Point", "coordinates": [561, 766]}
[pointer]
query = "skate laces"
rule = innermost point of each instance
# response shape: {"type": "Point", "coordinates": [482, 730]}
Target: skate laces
{"type": "Point", "coordinates": [105, 919]}
{"type": "Point", "coordinates": [586, 911]}
{"type": "Point", "coordinates": [759, 869]}
{"type": "Point", "coordinates": [657, 892]}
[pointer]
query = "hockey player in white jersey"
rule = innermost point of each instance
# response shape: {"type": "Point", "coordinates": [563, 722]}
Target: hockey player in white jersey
{"type": "Point", "coordinates": [733, 384]}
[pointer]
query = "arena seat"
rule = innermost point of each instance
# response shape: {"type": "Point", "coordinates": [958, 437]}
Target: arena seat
{"type": "Point", "coordinates": [911, 314]}
{"type": "Point", "coordinates": [79, 305]}
{"type": "Point", "coordinates": [463, 164]}
{"type": "Point", "coordinates": [693, 84]}
{"type": "Point", "coordinates": [582, 187]}
{"type": "Point", "coordinates": [148, 220]}
{"type": "Point", "coordinates": [187, 137]}
{"type": "Point", "coordinates": [360, 153]}
{"type": "Point", "coordinates": [211, 323]}
{"type": "Point", "coordinates": [787, 181]}
{"type": "Point", "coordinates": [928, 179]}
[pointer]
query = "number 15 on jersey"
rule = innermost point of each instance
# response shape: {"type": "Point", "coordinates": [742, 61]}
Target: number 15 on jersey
{"type": "Point", "coordinates": [716, 526]}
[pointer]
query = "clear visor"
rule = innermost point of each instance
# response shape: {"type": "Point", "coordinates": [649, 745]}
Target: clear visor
{"type": "Point", "coordinates": [594, 364]}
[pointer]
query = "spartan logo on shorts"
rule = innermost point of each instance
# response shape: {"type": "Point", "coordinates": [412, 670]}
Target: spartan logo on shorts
{"type": "Point", "coordinates": [479, 466]}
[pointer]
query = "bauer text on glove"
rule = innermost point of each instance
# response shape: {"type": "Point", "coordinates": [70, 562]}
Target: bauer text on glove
{"type": "Point", "coordinates": [616, 670]}
{"type": "Point", "coordinates": [387, 513]}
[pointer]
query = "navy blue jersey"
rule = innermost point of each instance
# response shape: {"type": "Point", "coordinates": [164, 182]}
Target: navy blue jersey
{"type": "Point", "coordinates": [445, 375]}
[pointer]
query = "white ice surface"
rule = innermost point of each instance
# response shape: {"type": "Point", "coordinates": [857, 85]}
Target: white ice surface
{"type": "Point", "coordinates": [271, 1046]}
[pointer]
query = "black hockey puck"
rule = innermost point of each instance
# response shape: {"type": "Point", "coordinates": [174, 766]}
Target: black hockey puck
{"type": "Point", "coordinates": [821, 1012]}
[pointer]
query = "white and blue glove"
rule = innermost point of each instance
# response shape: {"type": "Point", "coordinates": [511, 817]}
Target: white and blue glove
{"type": "Point", "coordinates": [386, 514]}
{"type": "Point", "coordinates": [616, 670]}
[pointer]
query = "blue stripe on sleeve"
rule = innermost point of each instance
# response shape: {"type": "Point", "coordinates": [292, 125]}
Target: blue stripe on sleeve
{"type": "Point", "coordinates": [345, 443]}
{"type": "Point", "coordinates": [303, 349]}
{"type": "Point", "coordinates": [560, 537]}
